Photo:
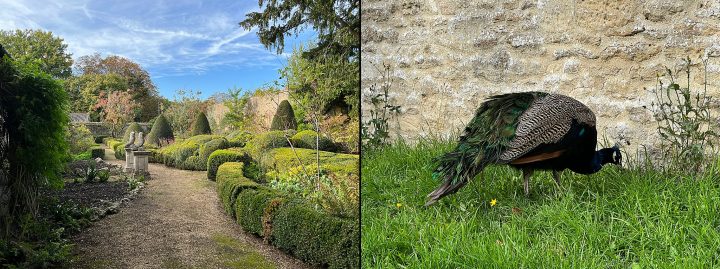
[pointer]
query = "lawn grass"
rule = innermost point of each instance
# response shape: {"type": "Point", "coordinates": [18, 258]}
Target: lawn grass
{"type": "Point", "coordinates": [617, 218]}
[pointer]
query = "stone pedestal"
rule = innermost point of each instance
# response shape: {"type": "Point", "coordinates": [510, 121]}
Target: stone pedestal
{"type": "Point", "coordinates": [140, 162]}
{"type": "Point", "coordinates": [129, 160]}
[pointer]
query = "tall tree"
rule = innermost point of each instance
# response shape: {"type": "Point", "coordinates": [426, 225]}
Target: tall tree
{"type": "Point", "coordinates": [38, 45]}
{"type": "Point", "coordinates": [336, 21]}
{"type": "Point", "coordinates": [85, 90]}
{"type": "Point", "coordinates": [119, 108]}
{"type": "Point", "coordinates": [138, 81]}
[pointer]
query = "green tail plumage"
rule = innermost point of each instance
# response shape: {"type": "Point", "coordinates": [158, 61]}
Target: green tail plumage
{"type": "Point", "coordinates": [484, 140]}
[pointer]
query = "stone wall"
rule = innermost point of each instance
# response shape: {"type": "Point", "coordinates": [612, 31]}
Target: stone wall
{"type": "Point", "coordinates": [262, 107]}
{"type": "Point", "coordinates": [447, 56]}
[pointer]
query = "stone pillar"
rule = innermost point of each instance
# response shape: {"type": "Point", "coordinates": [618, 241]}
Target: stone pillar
{"type": "Point", "coordinates": [140, 162]}
{"type": "Point", "coordinates": [129, 160]}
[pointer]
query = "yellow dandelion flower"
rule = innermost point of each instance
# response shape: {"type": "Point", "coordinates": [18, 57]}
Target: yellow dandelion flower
{"type": "Point", "coordinates": [493, 202]}
{"type": "Point", "coordinates": [398, 205]}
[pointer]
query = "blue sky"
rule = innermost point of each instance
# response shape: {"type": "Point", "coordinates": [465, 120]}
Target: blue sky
{"type": "Point", "coordinates": [195, 45]}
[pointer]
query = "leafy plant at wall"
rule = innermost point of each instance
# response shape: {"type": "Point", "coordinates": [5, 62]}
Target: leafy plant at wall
{"type": "Point", "coordinates": [284, 118]}
{"type": "Point", "coordinates": [689, 132]}
{"type": "Point", "coordinates": [375, 132]}
{"type": "Point", "coordinates": [201, 125]}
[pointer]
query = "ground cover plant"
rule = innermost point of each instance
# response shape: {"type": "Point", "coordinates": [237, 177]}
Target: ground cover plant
{"type": "Point", "coordinates": [619, 217]}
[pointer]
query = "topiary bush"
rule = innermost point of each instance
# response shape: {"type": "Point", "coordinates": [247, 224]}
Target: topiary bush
{"type": "Point", "coordinates": [97, 152]}
{"type": "Point", "coordinates": [238, 139]}
{"type": "Point", "coordinates": [284, 118]}
{"type": "Point", "coordinates": [160, 130]}
{"type": "Point", "coordinates": [307, 139]}
{"type": "Point", "coordinates": [133, 127]}
{"type": "Point", "coordinates": [265, 141]}
{"type": "Point", "coordinates": [284, 159]}
{"type": "Point", "coordinates": [100, 139]}
{"type": "Point", "coordinates": [316, 237]}
{"type": "Point", "coordinates": [250, 208]}
{"type": "Point", "coordinates": [219, 157]}
{"type": "Point", "coordinates": [186, 154]}
{"type": "Point", "coordinates": [230, 181]}
{"type": "Point", "coordinates": [201, 125]}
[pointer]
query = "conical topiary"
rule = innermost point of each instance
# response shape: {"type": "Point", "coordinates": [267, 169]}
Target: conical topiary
{"type": "Point", "coordinates": [160, 130]}
{"type": "Point", "coordinates": [201, 125]}
{"type": "Point", "coordinates": [284, 118]}
{"type": "Point", "coordinates": [134, 127]}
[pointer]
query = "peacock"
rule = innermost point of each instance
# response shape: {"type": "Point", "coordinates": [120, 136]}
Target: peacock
{"type": "Point", "coordinates": [529, 131]}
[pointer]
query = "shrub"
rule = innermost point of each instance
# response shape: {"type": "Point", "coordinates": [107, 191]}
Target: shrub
{"type": "Point", "coordinates": [79, 139]}
{"type": "Point", "coordinates": [97, 152]}
{"type": "Point", "coordinates": [219, 157]}
{"type": "Point", "coordinates": [230, 181]}
{"type": "Point", "coordinates": [265, 141]}
{"type": "Point", "coordinates": [133, 127]}
{"type": "Point", "coordinates": [315, 237]}
{"type": "Point", "coordinates": [250, 208]}
{"type": "Point", "coordinates": [238, 139]}
{"type": "Point", "coordinates": [186, 154]}
{"type": "Point", "coordinates": [283, 159]}
{"type": "Point", "coordinates": [100, 139]}
{"type": "Point", "coordinates": [201, 125]}
{"type": "Point", "coordinates": [284, 118]}
{"type": "Point", "coordinates": [307, 139]}
{"type": "Point", "coordinates": [161, 130]}
{"type": "Point", "coordinates": [119, 149]}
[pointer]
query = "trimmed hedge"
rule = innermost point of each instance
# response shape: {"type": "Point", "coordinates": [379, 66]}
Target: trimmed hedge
{"type": "Point", "coordinates": [160, 130]}
{"type": "Point", "coordinates": [191, 153]}
{"type": "Point", "coordinates": [307, 139]}
{"type": "Point", "coordinates": [265, 141]}
{"type": "Point", "coordinates": [97, 152]}
{"type": "Point", "coordinates": [100, 139]}
{"type": "Point", "coordinates": [219, 157]}
{"type": "Point", "coordinates": [289, 223]}
{"type": "Point", "coordinates": [238, 139]}
{"type": "Point", "coordinates": [284, 118]}
{"type": "Point", "coordinates": [230, 181]}
{"type": "Point", "coordinates": [201, 125]}
{"type": "Point", "coordinates": [282, 159]}
{"type": "Point", "coordinates": [316, 237]}
{"type": "Point", "coordinates": [134, 127]}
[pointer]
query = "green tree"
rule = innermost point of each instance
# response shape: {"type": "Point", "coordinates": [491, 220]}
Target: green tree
{"type": "Point", "coordinates": [160, 131]}
{"type": "Point", "coordinates": [284, 118]}
{"type": "Point", "coordinates": [85, 91]}
{"type": "Point", "coordinates": [33, 121]}
{"type": "Point", "coordinates": [133, 127]}
{"type": "Point", "coordinates": [236, 101]}
{"type": "Point", "coordinates": [201, 125]}
{"type": "Point", "coordinates": [38, 45]}
{"type": "Point", "coordinates": [119, 109]}
{"type": "Point", "coordinates": [183, 110]}
{"type": "Point", "coordinates": [336, 21]}
{"type": "Point", "coordinates": [138, 81]}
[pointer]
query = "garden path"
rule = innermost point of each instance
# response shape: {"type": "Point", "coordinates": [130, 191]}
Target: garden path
{"type": "Point", "coordinates": [176, 221]}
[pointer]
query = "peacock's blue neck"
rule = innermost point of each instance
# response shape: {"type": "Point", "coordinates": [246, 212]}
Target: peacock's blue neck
{"type": "Point", "coordinates": [597, 161]}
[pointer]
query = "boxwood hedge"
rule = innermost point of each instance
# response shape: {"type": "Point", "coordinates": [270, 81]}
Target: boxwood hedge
{"type": "Point", "coordinates": [282, 159]}
{"type": "Point", "coordinates": [230, 181]}
{"type": "Point", "coordinates": [307, 139]}
{"type": "Point", "coordinates": [219, 157]}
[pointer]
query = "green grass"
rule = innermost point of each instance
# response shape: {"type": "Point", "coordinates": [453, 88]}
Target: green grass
{"type": "Point", "coordinates": [614, 218]}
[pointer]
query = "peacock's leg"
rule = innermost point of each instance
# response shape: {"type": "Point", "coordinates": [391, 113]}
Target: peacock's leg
{"type": "Point", "coordinates": [556, 175]}
{"type": "Point", "coordinates": [527, 173]}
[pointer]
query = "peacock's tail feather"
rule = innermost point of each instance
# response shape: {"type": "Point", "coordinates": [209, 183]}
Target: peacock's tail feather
{"type": "Point", "coordinates": [485, 138]}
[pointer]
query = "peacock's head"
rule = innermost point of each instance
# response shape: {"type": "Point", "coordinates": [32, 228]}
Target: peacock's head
{"type": "Point", "coordinates": [610, 155]}
{"type": "Point", "coordinates": [617, 156]}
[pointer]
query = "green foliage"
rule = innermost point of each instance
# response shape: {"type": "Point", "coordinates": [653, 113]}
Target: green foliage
{"type": "Point", "coordinates": [686, 124]}
{"type": "Point", "coordinates": [338, 196]}
{"type": "Point", "coordinates": [269, 140]}
{"type": "Point", "coordinates": [79, 138]}
{"type": "Point", "coordinates": [100, 139]}
{"type": "Point", "coordinates": [284, 118]}
{"type": "Point", "coordinates": [103, 176]}
{"type": "Point", "coordinates": [161, 131]}
{"type": "Point", "coordinates": [133, 127]}
{"type": "Point", "coordinates": [284, 159]}
{"type": "Point", "coordinates": [250, 208]}
{"type": "Point", "coordinates": [97, 152]}
{"type": "Point", "coordinates": [85, 91]}
{"type": "Point", "coordinates": [618, 217]}
{"type": "Point", "coordinates": [307, 139]}
{"type": "Point", "coordinates": [315, 237]}
{"type": "Point", "coordinates": [375, 132]}
{"type": "Point", "coordinates": [187, 154]}
{"type": "Point", "coordinates": [230, 181]}
{"type": "Point", "coordinates": [219, 157]}
{"type": "Point", "coordinates": [201, 125]}
{"type": "Point", "coordinates": [33, 120]}
{"type": "Point", "coordinates": [182, 112]}
{"type": "Point", "coordinates": [236, 103]}
{"type": "Point", "coordinates": [238, 138]}
{"type": "Point", "coordinates": [48, 51]}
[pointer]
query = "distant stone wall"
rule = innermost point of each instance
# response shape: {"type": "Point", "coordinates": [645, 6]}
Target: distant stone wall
{"type": "Point", "coordinates": [446, 57]}
{"type": "Point", "coordinates": [262, 108]}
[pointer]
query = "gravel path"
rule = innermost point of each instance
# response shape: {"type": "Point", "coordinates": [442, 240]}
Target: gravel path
{"type": "Point", "coordinates": [176, 221]}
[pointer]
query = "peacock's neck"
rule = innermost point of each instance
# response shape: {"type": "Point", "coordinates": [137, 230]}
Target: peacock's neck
{"type": "Point", "coordinates": [592, 166]}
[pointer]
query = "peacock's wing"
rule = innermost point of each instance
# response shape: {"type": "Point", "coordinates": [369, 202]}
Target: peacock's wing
{"type": "Point", "coordinates": [485, 138]}
{"type": "Point", "coordinates": [546, 121]}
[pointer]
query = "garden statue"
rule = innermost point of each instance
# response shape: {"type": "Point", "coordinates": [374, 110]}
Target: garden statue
{"type": "Point", "coordinates": [140, 144]}
{"type": "Point", "coordinates": [131, 140]}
